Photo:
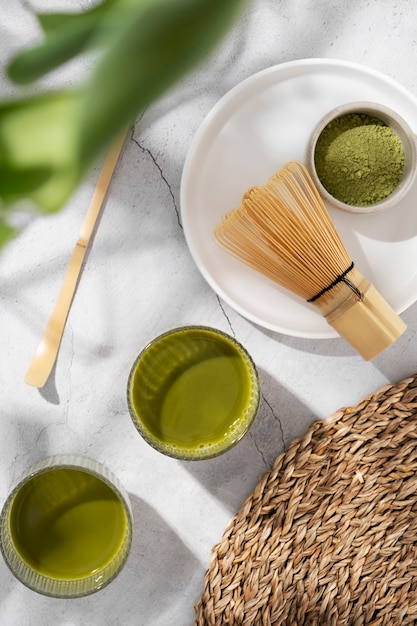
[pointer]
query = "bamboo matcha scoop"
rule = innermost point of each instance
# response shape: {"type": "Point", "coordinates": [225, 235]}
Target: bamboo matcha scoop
{"type": "Point", "coordinates": [47, 350]}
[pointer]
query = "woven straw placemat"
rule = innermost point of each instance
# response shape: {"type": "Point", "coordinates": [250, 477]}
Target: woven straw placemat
{"type": "Point", "coordinates": [329, 535]}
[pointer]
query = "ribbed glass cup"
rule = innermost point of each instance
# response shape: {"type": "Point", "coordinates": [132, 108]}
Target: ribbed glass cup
{"type": "Point", "coordinates": [193, 392]}
{"type": "Point", "coordinates": [53, 488]}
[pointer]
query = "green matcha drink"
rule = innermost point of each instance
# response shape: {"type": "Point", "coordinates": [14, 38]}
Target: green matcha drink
{"type": "Point", "coordinates": [65, 531]}
{"type": "Point", "coordinates": [193, 392]}
{"type": "Point", "coordinates": [67, 524]}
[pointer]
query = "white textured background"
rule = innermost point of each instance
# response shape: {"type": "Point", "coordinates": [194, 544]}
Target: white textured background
{"type": "Point", "coordinates": [140, 280]}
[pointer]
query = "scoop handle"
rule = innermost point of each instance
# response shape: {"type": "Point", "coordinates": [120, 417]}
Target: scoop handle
{"type": "Point", "coordinates": [369, 324]}
{"type": "Point", "coordinates": [45, 356]}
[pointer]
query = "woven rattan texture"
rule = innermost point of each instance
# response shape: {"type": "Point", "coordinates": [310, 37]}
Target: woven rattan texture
{"type": "Point", "coordinates": [329, 535]}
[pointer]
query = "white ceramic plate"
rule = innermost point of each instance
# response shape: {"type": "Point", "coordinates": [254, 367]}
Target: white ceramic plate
{"type": "Point", "coordinates": [254, 130]}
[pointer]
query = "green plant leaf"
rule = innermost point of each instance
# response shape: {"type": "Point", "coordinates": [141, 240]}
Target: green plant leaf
{"type": "Point", "coordinates": [53, 23]}
{"type": "Point", "coordinates": [7, 232]}
{"type": "Point", "coordinates": [47, 142]}
{"type": "Point", "coordinates": [67, 36]}
{"type": "Point", "coordinates": [15, 182]}
{"type": "Point", "coordinates": [33, 64]}
{"type": "Point", "coordinates": [39, 149]}
{"type": "Point", "coordinates": [158, 44]}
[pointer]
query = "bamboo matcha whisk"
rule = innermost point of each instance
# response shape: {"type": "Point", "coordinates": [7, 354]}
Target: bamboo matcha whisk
{"type": "Point", "coordinates": [284, 231]}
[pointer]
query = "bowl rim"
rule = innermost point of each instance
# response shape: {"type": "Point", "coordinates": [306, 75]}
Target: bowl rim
{"type": "Point", "coordinates": [215, 449]}
{"type": "Point", "coordinates": [392, 119]}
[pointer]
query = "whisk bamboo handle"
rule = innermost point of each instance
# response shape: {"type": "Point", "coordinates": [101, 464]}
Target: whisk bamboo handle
{"type": "Point", "coordinates": [367, 323]}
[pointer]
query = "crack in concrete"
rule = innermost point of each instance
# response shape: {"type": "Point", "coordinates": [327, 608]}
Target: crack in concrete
{"type": "Point", "coordinates": [163, 177]}
{"type": "Point", "coordinates": [225, 315]}
{"type": "Point", "coordinates": [277, 419]}
{"type": "Point", "coordinates": [148, 152]}
{"type": "Point", "coordinates": [259, 450]}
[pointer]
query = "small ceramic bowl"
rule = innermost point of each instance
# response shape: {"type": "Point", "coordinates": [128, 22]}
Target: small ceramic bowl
{"type": "Point", "coordinates": [397, 124]}
{"type": "Point", "coordinates": [66, 528]}
{"type": "Point", "coordinates": [193, 392]}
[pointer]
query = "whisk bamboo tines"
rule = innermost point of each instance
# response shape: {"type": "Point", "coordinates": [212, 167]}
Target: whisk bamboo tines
{"type": "Point", "coordinates": [284, 231]}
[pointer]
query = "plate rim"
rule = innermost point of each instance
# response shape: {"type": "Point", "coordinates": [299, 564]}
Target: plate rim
{"type": "Point", "coordinates": [228, 98]}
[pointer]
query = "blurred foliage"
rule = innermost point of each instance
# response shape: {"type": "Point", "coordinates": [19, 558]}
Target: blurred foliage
{"type": "Point", "coordinates": [142, 47]}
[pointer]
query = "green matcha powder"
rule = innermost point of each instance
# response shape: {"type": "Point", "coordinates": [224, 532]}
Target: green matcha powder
{"type": "Point", "coordinates": [359, 159]}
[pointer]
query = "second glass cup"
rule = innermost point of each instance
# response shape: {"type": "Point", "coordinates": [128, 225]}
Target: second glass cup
{"type": "Point", "coordinates": [193, 392]}
{"type": "Point", "coordinates": [66, 528]}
